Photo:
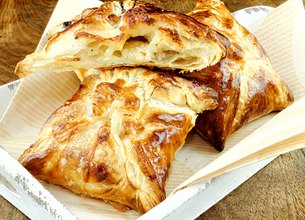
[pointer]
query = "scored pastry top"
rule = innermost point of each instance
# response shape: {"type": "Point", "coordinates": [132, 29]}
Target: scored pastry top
{"type": "Point", "coordinates": [116, 138]}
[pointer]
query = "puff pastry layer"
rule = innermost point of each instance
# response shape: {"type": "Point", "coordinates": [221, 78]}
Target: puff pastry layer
{"type": "Point", "coordinates": [247, 85]}
{"type": "Point", "coordinates": [117, 136]}
{"type": "Point", "coordinates": [136, 34]}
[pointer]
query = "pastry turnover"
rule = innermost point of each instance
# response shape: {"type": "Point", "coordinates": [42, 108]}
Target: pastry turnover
{"type": "Point", "coordinates": [246, 83]}
{"type": "Point", "coordinates": [115, 139]}
{"type": "Point", "coordinates": [132, 34]}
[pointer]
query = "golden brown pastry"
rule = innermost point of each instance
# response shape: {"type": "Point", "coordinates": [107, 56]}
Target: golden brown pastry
{"type": "Point", "coordinates": [247, 85]}
{"type": "Point", "coordinates": [117, 136]}
{"type": "Point", "coordinates": [136, 34]}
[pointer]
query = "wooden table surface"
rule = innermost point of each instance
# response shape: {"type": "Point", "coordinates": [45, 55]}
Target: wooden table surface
{"type": "Point", "coordinates": [275, 192]}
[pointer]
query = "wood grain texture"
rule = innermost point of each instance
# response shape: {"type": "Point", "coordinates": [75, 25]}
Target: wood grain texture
{"type": "Point", "coordinates": [276, 192]}
{"type": "Point", "coordinates": [21, 24]}
{"type": "Point", "coordinates": [9, 212]}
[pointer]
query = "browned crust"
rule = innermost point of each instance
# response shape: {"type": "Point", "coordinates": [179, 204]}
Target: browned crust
{"type": "Point", "coordinates": [141, 13]}
{"type": "Point", "coordinates": [241, 68]}
{"type": "Point", "coordinates": [131, 172]}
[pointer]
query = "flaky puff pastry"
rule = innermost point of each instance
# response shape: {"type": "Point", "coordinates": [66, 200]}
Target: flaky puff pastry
{"type": "Point", "coordinates": [247, 85]}
{"type": "Point", "coordinates": [132, 34]}
{"type": "Point", "coordinates": [116, 138]}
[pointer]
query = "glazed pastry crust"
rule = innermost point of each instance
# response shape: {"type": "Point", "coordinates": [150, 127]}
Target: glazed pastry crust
{"type": "Point", "coordinates": [116, 138]}
{"type": "Point", "coordinates": [247, 85]}
{"type": "Point", "coordinates": [136, 34]}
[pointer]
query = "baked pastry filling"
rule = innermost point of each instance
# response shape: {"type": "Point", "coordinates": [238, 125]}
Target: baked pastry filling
{"type": "Point", "coordinates": [133, 35]}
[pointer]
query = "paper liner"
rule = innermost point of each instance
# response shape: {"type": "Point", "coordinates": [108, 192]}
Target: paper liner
{"type": "Point", "coordinates": [281, 34]}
